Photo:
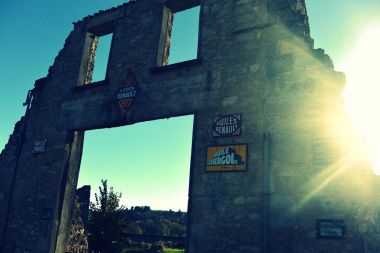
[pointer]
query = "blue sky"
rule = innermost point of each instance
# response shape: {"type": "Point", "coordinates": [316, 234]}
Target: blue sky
{"type": "Point", "coordinates": [336, 25]}
{"type": "Point", "coordinates": [32, 33]}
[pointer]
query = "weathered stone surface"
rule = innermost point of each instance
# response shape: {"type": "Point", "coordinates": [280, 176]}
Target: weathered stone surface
{"type": "Point", "coordinates": [78, 238]}
{"type": "Point", "coordinates": [8, 159]}
{"type": "Point", "coordinates": [255, 58]}
{"type": "Point", "coordinates": [83, 195]}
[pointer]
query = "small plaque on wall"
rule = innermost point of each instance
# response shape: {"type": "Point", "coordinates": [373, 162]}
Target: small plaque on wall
{"type": "Point", "coordinates": [39, 146]}
{"type": "Point", "coordinates": [227, 158]}
{"type": "Point", "coordinates": [330, 229]}
{"type": "Point", "coordinates": [226, 126]}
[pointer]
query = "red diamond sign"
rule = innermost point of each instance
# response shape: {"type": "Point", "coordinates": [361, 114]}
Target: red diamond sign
{"type": "Point", "coordinates": [127, 92]}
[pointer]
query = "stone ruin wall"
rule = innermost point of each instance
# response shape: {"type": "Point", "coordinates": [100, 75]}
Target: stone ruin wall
{"type": "Point", "coordinates": [78, 237]}
{"type": "Point", "coordinates": [255, 58]}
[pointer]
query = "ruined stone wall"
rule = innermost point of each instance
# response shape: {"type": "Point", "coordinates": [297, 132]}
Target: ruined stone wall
{"type": "Point", "coordinates": [255, 58]}
{"type": "Point", "coordinates": [78, 237]}
{"type": "Point", "coordinates": [36, 191]}
{"type": "Point", "coordinates": [319, 168]}
{"type": "Point", "coordinates": [83, 194]}
{"type": "Point", "coordinates": [8, 158]}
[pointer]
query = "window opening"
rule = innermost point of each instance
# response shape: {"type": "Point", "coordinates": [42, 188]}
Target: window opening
{"type": "Point", "coordinates": [179, 40]}
{"type": "Point", "coordinates": [98, 58]}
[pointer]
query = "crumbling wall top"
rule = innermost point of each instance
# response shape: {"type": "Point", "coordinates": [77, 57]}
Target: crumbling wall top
{"type": "Point", "coordinates": [109, 11]}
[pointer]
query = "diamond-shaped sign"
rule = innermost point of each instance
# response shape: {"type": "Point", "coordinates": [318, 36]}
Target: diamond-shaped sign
{"type": "Point", "coordinates": [127, 92]}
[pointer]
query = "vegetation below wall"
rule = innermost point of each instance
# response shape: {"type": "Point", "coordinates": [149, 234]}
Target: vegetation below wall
{"type": "Point", "coordinates": [143, 220]}
{"type": "Point", "coordinates": [113, 228]}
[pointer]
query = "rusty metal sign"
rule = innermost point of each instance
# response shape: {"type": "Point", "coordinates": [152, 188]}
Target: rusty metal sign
{"type": "Point", "coordinates": [227, 158]}
{"type": "Point", "coordinates": [127, 92]}
{"type": "Point", "coordinates": [39, 146]}
{"type": "Point", "coordinates": [226, 126]}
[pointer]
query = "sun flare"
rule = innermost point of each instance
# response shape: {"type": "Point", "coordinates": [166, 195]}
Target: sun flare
{"type": "Point", "coordinates": [362, 92]}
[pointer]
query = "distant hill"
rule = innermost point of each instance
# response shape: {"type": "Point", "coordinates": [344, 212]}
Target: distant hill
{"type": "Point", "coordinates": [143, 220]}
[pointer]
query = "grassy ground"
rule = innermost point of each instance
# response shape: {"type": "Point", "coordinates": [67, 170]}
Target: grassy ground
{"type": "Point", "coordinates": [167, 250]}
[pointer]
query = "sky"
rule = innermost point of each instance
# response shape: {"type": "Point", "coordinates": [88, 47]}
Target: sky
{"type": "Point", "coordinates": [149, 162]}
{"type": "Point", "coordinates": [349, 31]}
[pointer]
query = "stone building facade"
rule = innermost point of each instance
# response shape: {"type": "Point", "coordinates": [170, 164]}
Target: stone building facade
{"type": "Point", "coordinates": [78, 238]}
{"type": "Point", "coordinates": [296, 179]}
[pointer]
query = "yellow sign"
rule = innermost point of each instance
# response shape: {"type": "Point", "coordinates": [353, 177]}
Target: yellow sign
{"type": "Point", "coordinates": [227, 158]}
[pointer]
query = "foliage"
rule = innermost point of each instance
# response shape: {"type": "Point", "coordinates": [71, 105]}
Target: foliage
{"type": "Point", "coordinates": [110, 224]}
{"type": "Point", "coordinates": [107, 220]}
{"type": "Point", "coordinates": [143, 220]}
{"type": "Point", "coordinates": [134, 228]}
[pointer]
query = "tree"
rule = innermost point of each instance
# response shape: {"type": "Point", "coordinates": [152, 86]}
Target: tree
{"type": "Point", "coordinates": [107, 220]}
{"type": "Point", "coordinates": [134, 228]}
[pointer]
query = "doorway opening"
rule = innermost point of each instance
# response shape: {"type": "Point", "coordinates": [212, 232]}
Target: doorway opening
{"type": "Point", "coordinates": [149, 164]}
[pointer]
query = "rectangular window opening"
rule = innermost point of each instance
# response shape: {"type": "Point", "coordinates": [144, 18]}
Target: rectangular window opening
{"type": "Point", "coordinates": [180, 34]}
{"type": "Point", "coordinates": [97, 58]}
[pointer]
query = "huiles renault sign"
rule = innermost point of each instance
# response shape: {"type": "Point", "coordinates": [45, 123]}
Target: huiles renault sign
{"type": "Point", "coordinates": [226, 126]}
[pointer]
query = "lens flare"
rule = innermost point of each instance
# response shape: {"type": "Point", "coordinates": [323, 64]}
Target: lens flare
{"type": "Point", "coordinates": [362, 92]}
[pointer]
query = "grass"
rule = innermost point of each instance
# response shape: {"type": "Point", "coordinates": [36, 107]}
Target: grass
{"type": "Point", "coordinates": [167, 250]}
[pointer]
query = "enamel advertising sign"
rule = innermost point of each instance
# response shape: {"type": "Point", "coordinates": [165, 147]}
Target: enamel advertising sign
{"type": "Point", "coordinates": [226, 126]}
{"type": "Point", "coordinates": [127, 92]}
{"type": "Point", "coordinates": [39, 146]}
{"type": "Point", "coordinates": [330, 229]}
{"type": "Point", "coordinates": [227, 158]}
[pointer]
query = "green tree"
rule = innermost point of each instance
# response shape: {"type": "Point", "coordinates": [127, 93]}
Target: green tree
{"type": "Point", "coordinates": [107, 220]}
{"type": "Point", "coordinates": [177, 229]}
{"type": "Point", "coordinates": [134, 228]}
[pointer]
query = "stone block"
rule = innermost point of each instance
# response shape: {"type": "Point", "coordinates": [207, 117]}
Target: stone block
{"type": "Point", "coordinates": [291, 147]}
{"type": "Point", "coordinates": [274, 5]}
{"type": "Point", "coordinates": [280, 64]}
{"type": "Point", "coordinates": [282, 210]}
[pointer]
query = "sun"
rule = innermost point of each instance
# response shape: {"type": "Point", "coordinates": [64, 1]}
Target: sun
{"type": "Point", "coordinates": [362, 92]}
